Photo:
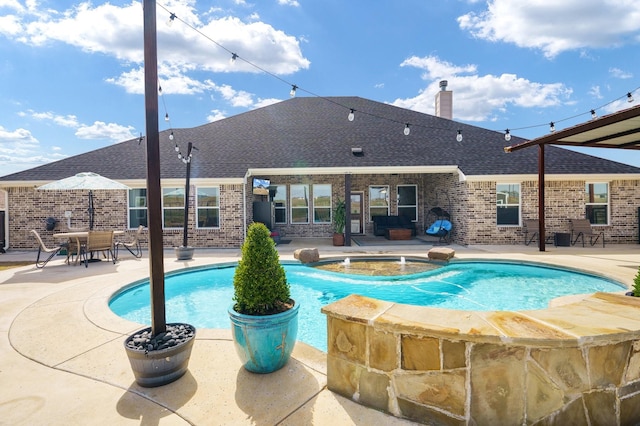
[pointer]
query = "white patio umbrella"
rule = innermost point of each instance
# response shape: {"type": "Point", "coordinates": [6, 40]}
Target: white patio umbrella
{"type": "Point", "coordinates": [84, 181]}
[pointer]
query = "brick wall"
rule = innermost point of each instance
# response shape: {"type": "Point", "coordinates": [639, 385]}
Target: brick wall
{"type": "Point", "coordinates": [472, 206]}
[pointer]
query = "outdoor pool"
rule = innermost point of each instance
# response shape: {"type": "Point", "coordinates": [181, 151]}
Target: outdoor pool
{"type": "Point", "coordinates": [201, 296]}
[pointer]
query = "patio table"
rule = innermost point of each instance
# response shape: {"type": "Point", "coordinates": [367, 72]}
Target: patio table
{"type": "Point", "coordinates": [79, 237]}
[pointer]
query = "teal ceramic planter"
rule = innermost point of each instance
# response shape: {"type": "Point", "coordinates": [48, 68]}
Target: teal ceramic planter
{"type": "Point", "coordinates": [264, 343]}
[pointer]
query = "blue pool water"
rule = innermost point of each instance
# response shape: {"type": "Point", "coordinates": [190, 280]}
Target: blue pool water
{"type": "Point", "coordinates": [201, 296]}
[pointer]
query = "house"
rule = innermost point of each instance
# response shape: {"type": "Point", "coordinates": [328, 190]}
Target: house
{"type": "Point", "coordinates": [307, 153]}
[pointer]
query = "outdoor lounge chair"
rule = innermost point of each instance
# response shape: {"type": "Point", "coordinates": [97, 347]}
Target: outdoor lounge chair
{"type": "Point", "coordinates": [98, 241]}
{"type": "Point", "coordinates": [51, 252]}
{"type": "Point", "coordinates": [530, 229]}
{"type": "Point", "coordinates": [133, 246]}
{"type": "Point", "coordinates": [441, 227]}
{"type": "Point", "coordinates": [581, 228]}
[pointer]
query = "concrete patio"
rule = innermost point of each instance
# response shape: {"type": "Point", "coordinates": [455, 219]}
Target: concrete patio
{"type": "Point", "coordinates": [63, 362]}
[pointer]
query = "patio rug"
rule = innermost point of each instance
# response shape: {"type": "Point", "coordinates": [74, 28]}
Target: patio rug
{"type": "Point", "coordinates": [370, 240]}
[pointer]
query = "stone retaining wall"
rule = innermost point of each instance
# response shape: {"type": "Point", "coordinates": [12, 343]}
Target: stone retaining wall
{"type": "Point", "coordinates": [573, 364]}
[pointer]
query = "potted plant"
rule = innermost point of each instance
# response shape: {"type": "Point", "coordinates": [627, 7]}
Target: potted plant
{"type": "Point", "coordinates": [264, 318]}
{"type": "Point", "coordinates": [339, 218]}
{"type": "Point", "coordinates": [636, 286]}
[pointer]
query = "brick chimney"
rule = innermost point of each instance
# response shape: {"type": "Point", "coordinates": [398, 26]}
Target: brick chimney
{"type": "Point", "coordinates": [444, 101]}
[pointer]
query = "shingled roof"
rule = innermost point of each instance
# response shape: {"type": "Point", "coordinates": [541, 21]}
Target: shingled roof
{"type": "Point", "coordinates": [313, 132]}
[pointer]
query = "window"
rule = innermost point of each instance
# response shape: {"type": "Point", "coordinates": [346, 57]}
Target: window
{"type": "Point", "coordinates": [208, 207]}
{"type": "Point", "coordinates": [408, 201]}
{"type": "Point", "coordinates": [378, 201]}
{"type": "Point", "coordinates": [173, 207]}
{"type": "Point", "coordinates": [321, 203]}
{"type": "Point", "coordinates": [597, 203]}
{"type": "Point", "coordinates": [508, 203]}
{"type": "Point", "coordinates": [299, 203]}
{"type": "Point", "coordinates": [280, 202]}
{"type": "Point", "coordinates": [137, 208]}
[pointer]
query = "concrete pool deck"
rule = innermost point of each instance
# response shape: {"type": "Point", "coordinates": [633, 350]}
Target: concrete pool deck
{"type": "Point", "coordinates": [62, 359]}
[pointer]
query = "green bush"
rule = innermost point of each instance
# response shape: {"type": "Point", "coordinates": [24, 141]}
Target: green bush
{"type": "Point", "coordinates": [339, 216]}
{"type": "Point", "coordinates": [260, 285]}
{"type": "Point", "coordinates": [636, 284]}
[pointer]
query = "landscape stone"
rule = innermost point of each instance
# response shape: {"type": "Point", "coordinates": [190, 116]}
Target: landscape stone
{"type": "Point", "coordinates": [441, 253]}
{"type": "Point", "coordinates": [307, 255]}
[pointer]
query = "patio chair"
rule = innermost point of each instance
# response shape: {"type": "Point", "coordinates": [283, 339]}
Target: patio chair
{"type": "Point", "coordinates": [530, 229]}
{"type": "Point", "coordinates": [98, 241]}
{"type": "Point", "coordinates": [581, 228]}
{"type": "Point", "coordinates": [133, 246]}
{"type": "Point", "coordinates": [42, 248]}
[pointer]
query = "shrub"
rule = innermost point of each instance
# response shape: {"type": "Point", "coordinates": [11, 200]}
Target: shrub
{"type": "Point", "coordinates": [260, 284]}
{"type": "Point", "coordinates": [636, 284]}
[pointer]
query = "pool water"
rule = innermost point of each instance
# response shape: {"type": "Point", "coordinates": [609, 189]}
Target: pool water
{"type": "Point", "coordinates": [201, 297]}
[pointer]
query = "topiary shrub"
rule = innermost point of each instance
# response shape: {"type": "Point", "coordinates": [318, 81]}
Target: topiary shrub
{"type": "Point", "coordinates": [260, 285]}
{"type": "Point", "coordinates": [636, 284]}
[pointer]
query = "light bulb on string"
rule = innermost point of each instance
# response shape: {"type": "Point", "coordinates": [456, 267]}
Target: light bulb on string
{"type": "Point", "coordinates": [593, 114]}
{"type": "Point", "coordinates": [170, 20]}
{"type": "Point", "coordinates": [507, 135]}
{"type": "Point", "coordinates": [629, 97]}
{"type": "Point", "coordinates": [160, 90]}
{"type": "Point", "coordinates": [459, 136]}
{"type": "Point", "coordinates": [233, 58]}
{"type": "Point", "coordinates": [552, 127]}
{"type": "Point", "coordinates": [351, 115]}
{"type": "Point", "coordinates": [166, 117]}
{"type": "Point", "coordinates": [292, 93]}
{"type": "Point", "coordinates": [171, 137]}
{"type": "Point", "coordinates": [407, 130]}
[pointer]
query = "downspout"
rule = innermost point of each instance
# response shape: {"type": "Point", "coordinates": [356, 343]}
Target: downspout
{"type": "Point", "coordinates": [244, 204]}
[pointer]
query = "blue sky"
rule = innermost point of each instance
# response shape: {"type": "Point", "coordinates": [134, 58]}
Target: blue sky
{"type": "Point", "coordinates": [72, 73]}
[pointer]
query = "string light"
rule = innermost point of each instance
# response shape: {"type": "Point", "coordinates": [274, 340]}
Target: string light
{"type": "Point", "coordinates": [552, 127]}
{"type": "Point", "coordinates": [407, 130]}
{"type": "Point", "coordinates": [593, 114]}
{"type": "Point", "coordinates": [166, 117]}
{"type": "Point", "coordinates": [171, 136]}
{"type": "Point", "coordinates": [171, 18]}
{"type": "Point", "coordinates": [507, 135]}
{"type": "Point", "coordinates": [294, 88]}
{"type": "Point", "coordinates": [351, 115]}
{"type": "Point", "coordinates": [459, 136]}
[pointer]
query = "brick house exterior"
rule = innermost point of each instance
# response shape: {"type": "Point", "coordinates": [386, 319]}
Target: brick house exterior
{"type": "Point", "coordinates": [310, 142]}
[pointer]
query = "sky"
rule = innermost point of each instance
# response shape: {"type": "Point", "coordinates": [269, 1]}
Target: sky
{"type": "Point", "coordinates": [72, 73]}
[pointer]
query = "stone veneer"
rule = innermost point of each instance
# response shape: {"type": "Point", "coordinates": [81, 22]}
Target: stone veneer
{"type": "Point", "coordinates": [567, 365]}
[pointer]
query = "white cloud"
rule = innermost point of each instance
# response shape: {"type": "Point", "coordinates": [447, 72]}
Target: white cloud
{"type": "Point", "coordinates": [101, 130]}
{"type": "Point", "coordinates": [556, 26]}
{"type": "Point", "coordinates": [618, 73]}
{"type": "Point", "coordinates": [60, 120]}
{"type": "Point", "coordinates": [20, 150]}
{"type": "Point", "coordinates": [595, 92]}
{"type": "Point", "coordinates": [216, 115]}
{"type": "Point", "coordinates": [479, 97]}
{"type": "Point", "coordinates": [266, 102]}
{"type": "Point", "coordinates": [289, 3]}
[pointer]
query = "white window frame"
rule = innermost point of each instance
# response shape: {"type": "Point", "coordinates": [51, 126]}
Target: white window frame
{"type": "Point", "coordinates": [325, 187]}
{"type": "Point", "coordinates": [136, 208]}
{"type": "Point", "coordinates": [406, 206]}
{"type": "Point", "coordinates": [292, 206]}
{"type": "Point", "coordinates": [284, 198]}
{"type": "Point", "coordinates": [607, 205]}
{"type": "Point", "coordinates": [216, 207]}
{"type": "Point", "coordinates": [164, 208]}
{"type": "Point", "coordinates": [500, 203]}
{"type": "Point", "coordinates": [383, 188]}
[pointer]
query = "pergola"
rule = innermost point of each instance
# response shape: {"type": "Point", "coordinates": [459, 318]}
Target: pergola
{"type": "Point", "coordinates": [619, 130]}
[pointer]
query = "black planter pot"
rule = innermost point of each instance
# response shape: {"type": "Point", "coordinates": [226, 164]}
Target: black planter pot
{"type": "Point", "coordinates": [167, 363]}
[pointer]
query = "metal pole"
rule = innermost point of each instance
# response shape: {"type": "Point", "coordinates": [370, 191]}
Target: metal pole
{"type": "Point", "coordinates": [541, 225]}
{"type": "Point", "coordinates": [347, 216]}
{"type": "Point", "coordinates": [185, 233]}
{"type": "Point", "coordinates": [154, 194]}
